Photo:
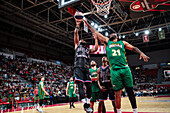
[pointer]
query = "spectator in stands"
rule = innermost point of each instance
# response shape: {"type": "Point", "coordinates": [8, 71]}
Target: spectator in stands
{"type": "Point", "coordinates": [29, 85]}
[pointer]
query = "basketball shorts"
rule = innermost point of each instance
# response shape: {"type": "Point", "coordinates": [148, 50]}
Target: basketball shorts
{"type": "Point", "coordinates": [94, 96]}
{"type": "Point", "coordinates": [121, 78]}
{"type": "Point", "coordinates": [81, 74]}
{"type": "Point", "coordinates": [109, 92]}
{"type": "Point", "coordinates": [95, 87]}
{"type": "Point", "coordinates": [41, 96]}
{"type": "Point", "coordinates": [72, 95]}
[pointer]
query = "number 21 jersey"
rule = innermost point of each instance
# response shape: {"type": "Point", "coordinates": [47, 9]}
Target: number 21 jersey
{"type": "Point", "coordinates": [116, 54]}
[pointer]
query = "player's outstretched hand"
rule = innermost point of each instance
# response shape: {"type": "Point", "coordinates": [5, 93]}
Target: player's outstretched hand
{"type": "Point", "coordinates": [78, 22]}
{"type": "Point", "coordinates": [95, 36]}
{"type": "Point", "coordinates": [144, 57]}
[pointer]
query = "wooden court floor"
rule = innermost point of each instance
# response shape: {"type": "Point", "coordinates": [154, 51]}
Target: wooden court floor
{"type": "Point", "coordinates": [145, 104]}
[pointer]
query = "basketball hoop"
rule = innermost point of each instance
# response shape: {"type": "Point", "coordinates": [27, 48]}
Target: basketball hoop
{"type": "Point", "coordinates": [102, 6]}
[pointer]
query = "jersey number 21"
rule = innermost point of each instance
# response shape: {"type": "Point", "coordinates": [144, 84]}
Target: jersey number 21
{"type": "Point", "coordinates": [116, 52]}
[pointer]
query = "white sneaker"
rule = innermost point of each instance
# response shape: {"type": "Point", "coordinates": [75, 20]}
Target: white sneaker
{"type": "Point", "coordinates": [41, 111]}
{"type": "Point", "coordinates": [37, 108]}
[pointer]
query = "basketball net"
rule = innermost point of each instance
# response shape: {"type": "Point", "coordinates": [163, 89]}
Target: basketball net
{"type": "Point", "coordinates": [102, 6]}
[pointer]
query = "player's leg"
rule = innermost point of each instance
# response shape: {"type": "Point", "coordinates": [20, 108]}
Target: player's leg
{"type": "Point", "coordinates": [117, 85]}
{"type": "Point", "coordinates": [70, 99]}
{"type": "Point", "coordinates": [93, 99]}
{"type": "Point", "coordinates": [102, 97]}
{"type": "Point", "coordinates": [37, 102]}
{"type": "Point", "coordinates": [91, 104]}
{"type": "Point", "coordinates": [118, 100]}
{"type": "Point", "coordinates": [128, 82]}
{"type": "Point", "coordinates": [40, 107]}
{"type": "Point", "coordinates": [73, 100]}
{"type": "Point", "coordinates": [103, 108]}
{"type": "Point", "coordinates": [81, 90]}
{"type": "Point", "coordinates": [112, 98]}
{"type": "Point", "coordinates": [87, 80]}
{"type": "Point", "coordinates": [79, 79]}
{"type": "Point", "coordinates": [88, 92]}
{"type": "Point", "coordinates": [100, 106]}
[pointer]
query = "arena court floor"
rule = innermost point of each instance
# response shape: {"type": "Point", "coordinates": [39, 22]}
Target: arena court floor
{"type": "Point", "coordinates": [145, 105]}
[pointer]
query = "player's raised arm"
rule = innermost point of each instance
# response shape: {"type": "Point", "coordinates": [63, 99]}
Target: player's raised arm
{"type": "Point", "coordinates": [135, 49]}
{"type": "Point", "coordinates": [102, 38]}
{"type": "Point", "coordinates": [76, 35]}
{"type": "Point", "coordinates": [96, 44]}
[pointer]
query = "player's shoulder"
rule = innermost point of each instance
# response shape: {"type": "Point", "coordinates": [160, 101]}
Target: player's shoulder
{"type": "Point", "coordinates": [124, 42]}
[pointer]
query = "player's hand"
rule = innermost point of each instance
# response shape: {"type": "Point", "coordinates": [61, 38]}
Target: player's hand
{"type": "Point", "coordinates": [78, 22]}
{"type": "Point", "coordinates": [144, 57]}
{"type": "Point", "coordinates": [102, 88]}
{"type": "Point", "coordinates": [95, 36]}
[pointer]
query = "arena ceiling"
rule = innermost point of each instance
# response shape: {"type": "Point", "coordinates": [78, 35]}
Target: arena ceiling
{"type": "Point", "coordinates": [40, 22]}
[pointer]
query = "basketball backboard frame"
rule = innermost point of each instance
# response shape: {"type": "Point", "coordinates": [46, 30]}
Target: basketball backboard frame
{"type": "Point", "coordinates": [63, 4]}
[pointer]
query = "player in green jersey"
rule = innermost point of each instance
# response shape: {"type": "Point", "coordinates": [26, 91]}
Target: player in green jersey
{"type": "Point", "coordinates": [120, 72]}
{"type": "Point", "coordinates": [41, 94]}
{"type": "Point", "coordinates": [71, 91]}
{"type": "Point", "coordinates": [94, 86]}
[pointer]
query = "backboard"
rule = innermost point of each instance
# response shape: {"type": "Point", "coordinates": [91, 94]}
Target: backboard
{"type": "Point", "coordinates": [67, 3]}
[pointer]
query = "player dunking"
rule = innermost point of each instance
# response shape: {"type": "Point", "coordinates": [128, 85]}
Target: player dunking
{"type": "Point", "coordinates": [104, 82]}
{"type": "Point", "coordinates": [120, 72]}
{"type": "Point", "coordinates": [81, 66]}
{"type": "Point", "coordinates": [41, 94]}
{"type": "Point", "coordinates": [71, 91]}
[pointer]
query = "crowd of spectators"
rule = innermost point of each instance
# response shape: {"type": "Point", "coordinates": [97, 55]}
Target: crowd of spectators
{"type": "Point", "coordinates": [145, 75]}
{"type": "Point", "coordinates": [19, 78]}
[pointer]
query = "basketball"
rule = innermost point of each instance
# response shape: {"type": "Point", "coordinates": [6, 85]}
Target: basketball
{"type": "Point", "coordinates": [78, 15]}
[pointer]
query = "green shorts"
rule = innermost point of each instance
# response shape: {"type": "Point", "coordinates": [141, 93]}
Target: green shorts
{"type": "Point", "coordinates": [72, 95]}
{"type": "Point", "coordinates": [121, 78]}
{"type": "Point", "coordinates": [94, 96]}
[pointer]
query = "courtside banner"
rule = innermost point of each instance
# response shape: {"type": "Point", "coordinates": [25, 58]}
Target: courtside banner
{"type": "Point", "coordinates": [101, 49]}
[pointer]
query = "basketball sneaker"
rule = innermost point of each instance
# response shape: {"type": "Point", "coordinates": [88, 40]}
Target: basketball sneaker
{"type": "Point", "coordinates": [40, 110]}
{"type": "Point", "coordinates": [73, 105]}
{"type": "Point", "coordinates": [87, 108]}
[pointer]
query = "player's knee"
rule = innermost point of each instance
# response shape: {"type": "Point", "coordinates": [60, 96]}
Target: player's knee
{"type": "Point", "coordinates": [129, 90]}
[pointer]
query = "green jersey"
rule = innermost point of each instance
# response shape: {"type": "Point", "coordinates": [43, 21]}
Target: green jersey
{"type": "Point", "coordinates": [40, 91]}
{"type": "Point", "coordinates": [93, 72]}
{"type": "Point", "coordinates": [71, 87]}
{"type": "Point", "coordinates": [94, 85]}
{"type": "Point", "coordinates": [116, 54]}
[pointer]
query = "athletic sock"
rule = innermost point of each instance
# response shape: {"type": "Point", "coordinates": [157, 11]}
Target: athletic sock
{"type": "Point", "coordinates": [40, 109]}
{"type": "Point", "coordinates": [83, 100]}
{"type": "Point", "coordinates": [119, 111]}
{"type": "Point", "coordinates": [88, 101]}
{"type": "Point", "coordinates": [135, 110]}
